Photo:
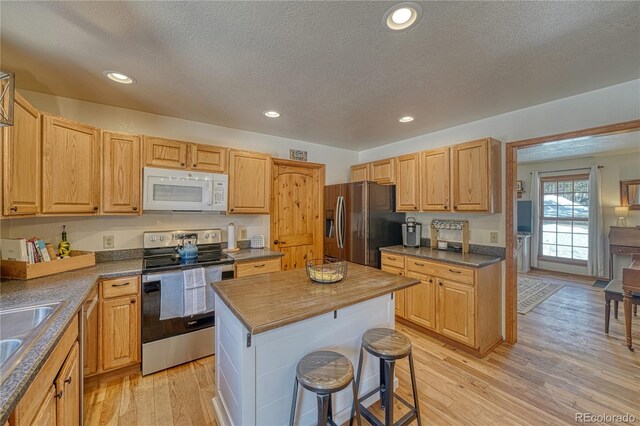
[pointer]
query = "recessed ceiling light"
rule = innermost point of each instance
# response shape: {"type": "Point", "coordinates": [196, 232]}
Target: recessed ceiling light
{"type": "Point", "coordinates": [405, 119]}
{"type": "Point", "coordinates": [118, 77]}
{"type": "Point", "coordinates": [402, 16]}
{"type": "Point", "coordinates": [272, 114]}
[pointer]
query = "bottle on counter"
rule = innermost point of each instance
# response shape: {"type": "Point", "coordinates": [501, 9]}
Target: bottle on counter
{"type": "Point", "coordinates": [64, 248]}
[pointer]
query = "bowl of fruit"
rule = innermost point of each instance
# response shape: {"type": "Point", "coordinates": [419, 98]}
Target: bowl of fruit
{"type": "Point", "coordinates": [326, 271]}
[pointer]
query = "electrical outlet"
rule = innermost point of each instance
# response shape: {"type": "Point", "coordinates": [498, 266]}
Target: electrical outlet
{"type": "Point", "coordinates": [242, 233]}
{"type": "Point", "coordinates": [494, 237]}
{"type": "Point", "coordinates": [107, 241]}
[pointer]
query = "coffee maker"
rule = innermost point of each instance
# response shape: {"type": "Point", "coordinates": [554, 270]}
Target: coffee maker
{"type": "Point", "coordinates": [411, 233]}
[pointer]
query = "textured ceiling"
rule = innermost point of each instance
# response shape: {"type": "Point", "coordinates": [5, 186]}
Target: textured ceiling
{"type": "Point", "coordinates": [336, 74]}
{"type": "Point", "coordinates": [581, 147]}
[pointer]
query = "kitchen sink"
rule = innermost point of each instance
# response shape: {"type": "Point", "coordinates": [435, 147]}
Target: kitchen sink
{"type": "Point", "coordinates": [19, 328]}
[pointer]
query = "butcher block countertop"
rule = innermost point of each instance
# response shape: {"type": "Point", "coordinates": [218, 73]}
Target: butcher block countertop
{"type": "Point", "coordinates": [269, 301]}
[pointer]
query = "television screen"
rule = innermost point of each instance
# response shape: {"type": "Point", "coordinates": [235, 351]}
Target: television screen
{"type": "Point", "coordinates": [525, 216]}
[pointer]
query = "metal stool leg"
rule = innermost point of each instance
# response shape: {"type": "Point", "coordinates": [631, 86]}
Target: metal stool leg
{"type": "Point", "coordinates": [415, 389]}
{"type": "Point", "coordinates": [383, 384]}
{"type": "Point", "coordinates": [293, 403]}
{"type": "Point", "coordinates": [356, 403]}
{"type": "Point", "coordinates": [323, 408]}
{"type": "Point", "coordinates": [389, 367]}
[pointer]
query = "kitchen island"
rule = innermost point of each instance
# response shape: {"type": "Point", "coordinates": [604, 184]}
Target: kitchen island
{"type": "Point", "coordinates": [265, 324]}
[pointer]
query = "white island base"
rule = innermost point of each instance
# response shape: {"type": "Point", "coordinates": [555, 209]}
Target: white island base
{"type": "Point", "coordinates": [255, 373]}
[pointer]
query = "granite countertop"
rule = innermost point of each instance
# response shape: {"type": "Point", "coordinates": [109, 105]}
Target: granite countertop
{"type": "Point", "coordinates": [249, 254]}
{"type": "Point", "coordinates": [70, 287]}
{"type": "Point", "coordinates": [471, 260]}
{"type": "Point", "coordinates": [269, 301]}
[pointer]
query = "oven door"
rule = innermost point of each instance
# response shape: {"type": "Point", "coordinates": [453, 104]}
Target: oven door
{"type": "Point", "coordinates": [155, 329]}
{"type": "Point", "coordinates": [178, 190]}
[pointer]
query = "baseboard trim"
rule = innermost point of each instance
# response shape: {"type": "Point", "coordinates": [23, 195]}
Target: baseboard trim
{"type": "Point", "coordinates": [95, 380]}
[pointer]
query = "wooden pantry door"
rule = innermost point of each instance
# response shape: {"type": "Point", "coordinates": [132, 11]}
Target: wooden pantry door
{"type": "Point", "coordinates": [297, 211]}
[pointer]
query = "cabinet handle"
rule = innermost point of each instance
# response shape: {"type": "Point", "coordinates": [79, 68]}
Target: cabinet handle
{"type": "Point", "coordinates": [14, 209]}
{"type": "Point", "coordinates": [58, 395]}
{"type": "Point", "coordinates": [134, 209]}
{"type": "Point", "coordinates": [182, 164]}
{"type": "Point", "coordinates": [95, 208]}
{"type": "Point", "coordinates": [455, 207]}
{"type": "Point", "coordinates": [430, 280]}
{"type": "Point", "coordinates": [391, 258]}
{"type": "Point", "coordinates": [418, 264]}
{"type": "Point", "coordinates": [446, 207]}
{"type": "Point", "coordinates": [259, 266]}
{"type": "Point", "coordinates": [454, 271]}
{"type": "Point", "coordinates": [121, 285]}
{"type": "Point", "coordinates": [68, 380]}
{"type": "Point", "coordinates": [133, 300]}
{"type": "Point", "coordinates": [440, 282]}
{"type": "Point", "coordinates": [195, 165]}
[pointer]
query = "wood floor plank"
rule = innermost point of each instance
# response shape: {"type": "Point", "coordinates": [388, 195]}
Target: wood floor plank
{"type": "Point", "coordinates": [563, 364]}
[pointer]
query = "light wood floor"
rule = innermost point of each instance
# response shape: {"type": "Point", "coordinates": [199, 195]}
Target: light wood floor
{"type": "Point", "coordinates": [563, 364]}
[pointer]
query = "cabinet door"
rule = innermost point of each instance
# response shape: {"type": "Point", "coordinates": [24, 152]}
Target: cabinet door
{"type": "Point", "coordinates": [207, 158]}
{"type": "Point", "coordinates": [90, 334]}
{"type": "Point", "coordinates": [421, 301]}
{"type": "Point", "coordinates": [22, 160]}
{"type": "Point", "coordinates": [383, 171]}
{"type": "Point", "coordinates": [121, 172]}
{"type": "Point", "coordinates": [408, 183]}
{"type": "Point", "coordinates": [471, 176]}
{"type": "Point", "coordinates": [70, 167]}
{"type": "Point", "coordinates": [159, 152]}
{"type": "Point", "coordinates": [399, 296]}
{"type": "Point", "coordinates": [360, 172]}
{"type": "Point", "coordinates": [249, 182]}
{"type": "Point", "coordinates": [120, 336]}
{"type": "Point", "coordinates": [46, 414]}
{"type": "Point", "coordinates": [456, 311]}
{"type": "Point", "coordinates": [68, 386]}
{"type": "Point", "coordinates": [434, 180]}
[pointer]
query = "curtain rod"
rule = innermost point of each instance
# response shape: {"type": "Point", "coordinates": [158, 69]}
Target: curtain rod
{"type": "Point", "coordinates": [568, 170]}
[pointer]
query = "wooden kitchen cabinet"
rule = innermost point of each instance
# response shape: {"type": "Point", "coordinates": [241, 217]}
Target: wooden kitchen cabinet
{"type": "Point", "coordinates": [383, 171]}
{"type": "Point", "coordinates": [249, 182]}
{"type": "Point", "coordinates": [434, 180]}
{"type": "Point", "coordinates": [160, 152]}
{"type": "Point", "coordinates": [360, 172]}
{"type": "Point", "coordinates": [477, 176]}
{"type": "Point", "coordinates": [120, 322]}
{"type": "Point", "coordinates": [68, 387]}
{"type": "Point", "coordinates": [21, 151]}
{"type": "Point", "coordinates": [395, 265]}
{"type": "Point", "coordinates": [457, 311]}
{"type": "Point", "coordinates": [70, 167]}
{"type": "Point", "coordinates": [91, 321]}
{"type": "Point", "coordinates": [421, 301]}
{"type": "Point", "coordinates": [257, 267]}
{"type": "Point", "coordinates": [208, 158]}
{"type": "Point", "coordinates": [46, 414]}
{"type": "Point", "coordinates": [121, 174]}
{"type": "Point", "coordinates": [408, 183]}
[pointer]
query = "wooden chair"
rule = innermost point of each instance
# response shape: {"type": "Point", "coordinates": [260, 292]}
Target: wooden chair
{"type": "Point", "coordinates": [613, 292]}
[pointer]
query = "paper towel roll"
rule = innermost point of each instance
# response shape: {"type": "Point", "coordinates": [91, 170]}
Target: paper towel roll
{"type": "Point", "coordinates": [231, 237]}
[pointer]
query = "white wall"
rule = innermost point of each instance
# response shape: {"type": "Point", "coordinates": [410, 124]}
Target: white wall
{"type": "Point", "coordinates": [85, 233]}
{"type": "Point", "coordinates": [600, 107]}
{"type": "Point", "coordinates": [616, 168]}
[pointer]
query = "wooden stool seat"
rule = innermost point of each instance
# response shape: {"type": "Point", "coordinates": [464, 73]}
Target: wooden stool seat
{"type": "Point", "coordinates": [386, 343]}
{"type": "Point", "coordinates": [324, 372]}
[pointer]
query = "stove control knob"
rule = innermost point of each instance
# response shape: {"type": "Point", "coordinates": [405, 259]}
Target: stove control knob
{"type": "Point", "coordinates": [161, 237]}
{"type": "Point", "coordinates": [152, 239]}
{"type": "Point", "coordinates": [206, 236]}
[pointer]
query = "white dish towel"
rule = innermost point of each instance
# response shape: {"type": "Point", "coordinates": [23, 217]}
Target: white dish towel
{"type": "Point", "coordinates": [195, 301]}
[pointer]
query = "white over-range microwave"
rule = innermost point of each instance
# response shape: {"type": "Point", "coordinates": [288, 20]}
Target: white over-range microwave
{"type": "Point", "coordinates": [182, 190]}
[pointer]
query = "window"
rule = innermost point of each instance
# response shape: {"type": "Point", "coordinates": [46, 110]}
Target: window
{"type": "Point", "coordinates": [564, 219]}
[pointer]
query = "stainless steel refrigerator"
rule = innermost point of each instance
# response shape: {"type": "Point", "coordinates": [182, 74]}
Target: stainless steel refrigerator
{"type": "Point", "coordinates": [360, 218]}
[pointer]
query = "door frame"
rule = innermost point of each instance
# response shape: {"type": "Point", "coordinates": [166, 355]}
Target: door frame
{"type": "Point", "coordinates": [318, 233]}
{"type": "Point", "coordinates": [511, 160]}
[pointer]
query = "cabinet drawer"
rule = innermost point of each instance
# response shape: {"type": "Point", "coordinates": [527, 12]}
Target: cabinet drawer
{"type": "Point", "coordinates": [258, 267]}
{"type": "Point", "coordinates": [120, 287]}
{"type": "Point", "coordinates": [392, 260]}
{"type": "Point", "coordinates": [393, 270]}
{"type": "Point", "coordinates": [443, 270]}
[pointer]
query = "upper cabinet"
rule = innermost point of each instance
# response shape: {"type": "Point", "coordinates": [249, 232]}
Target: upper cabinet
{"type": "Point", "coordinates": [121, 173]}
{"type": "Point", "coordinates": [408, 183]}
{"type": "Point", "coordinates": [159, 152]}
{"type": "Point", "coordinates": [477, 176]}
{"type": "Point", "coordinates": [360, 172]}
{"type": "Point", "coordinates": [21, 150]}
{"type": "Point", "coordinates": [383, 171]}
{"type": "Point", "coordinates": [434, 166]}
{"type": "Point", "coordinates": [70, 167]}
{"type": "Point", "coordinates": [208, 158]}
{"type": "Point", "coordinates": [249, 182]}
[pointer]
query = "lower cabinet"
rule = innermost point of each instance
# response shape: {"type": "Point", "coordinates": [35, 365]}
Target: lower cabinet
{"type": "Point", "coordinates": [257, 267]}
{"type": "Point", "coordinates": [458, 303]}
{"type": "Point", "coordinates": [68, 388]}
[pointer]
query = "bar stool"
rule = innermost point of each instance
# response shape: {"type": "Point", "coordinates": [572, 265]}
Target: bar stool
{"type": "Point", "coordinates": [388, 345]}
{"type": "Point", "coordinates": [323, 373]}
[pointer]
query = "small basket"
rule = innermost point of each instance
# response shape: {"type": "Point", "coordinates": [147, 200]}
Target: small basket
{"type": "Point", "coordinates": [326, 271]}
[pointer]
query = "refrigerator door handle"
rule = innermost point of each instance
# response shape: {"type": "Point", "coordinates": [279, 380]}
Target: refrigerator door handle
{"type": "Point", "coordinates": [337, 219]}
{"type": "Point", "coordinates": [343, 222]}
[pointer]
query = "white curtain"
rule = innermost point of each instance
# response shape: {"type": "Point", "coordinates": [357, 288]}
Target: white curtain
{"type": "Point", "coordinates": [535, 212]}
{"type": "Point", "coordinates": [595, 262]}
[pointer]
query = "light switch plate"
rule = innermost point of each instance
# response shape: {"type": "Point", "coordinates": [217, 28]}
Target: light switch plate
{"type": "Point", "coordinates": [242, 233]}
{"type": "Point", "coordinates": [107, 241]}
{"type": "Point", "coordinates": [494, 237]}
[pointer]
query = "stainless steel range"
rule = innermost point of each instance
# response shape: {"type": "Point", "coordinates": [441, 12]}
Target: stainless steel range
{"type": "Point", "coordinates": [169, 342]}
